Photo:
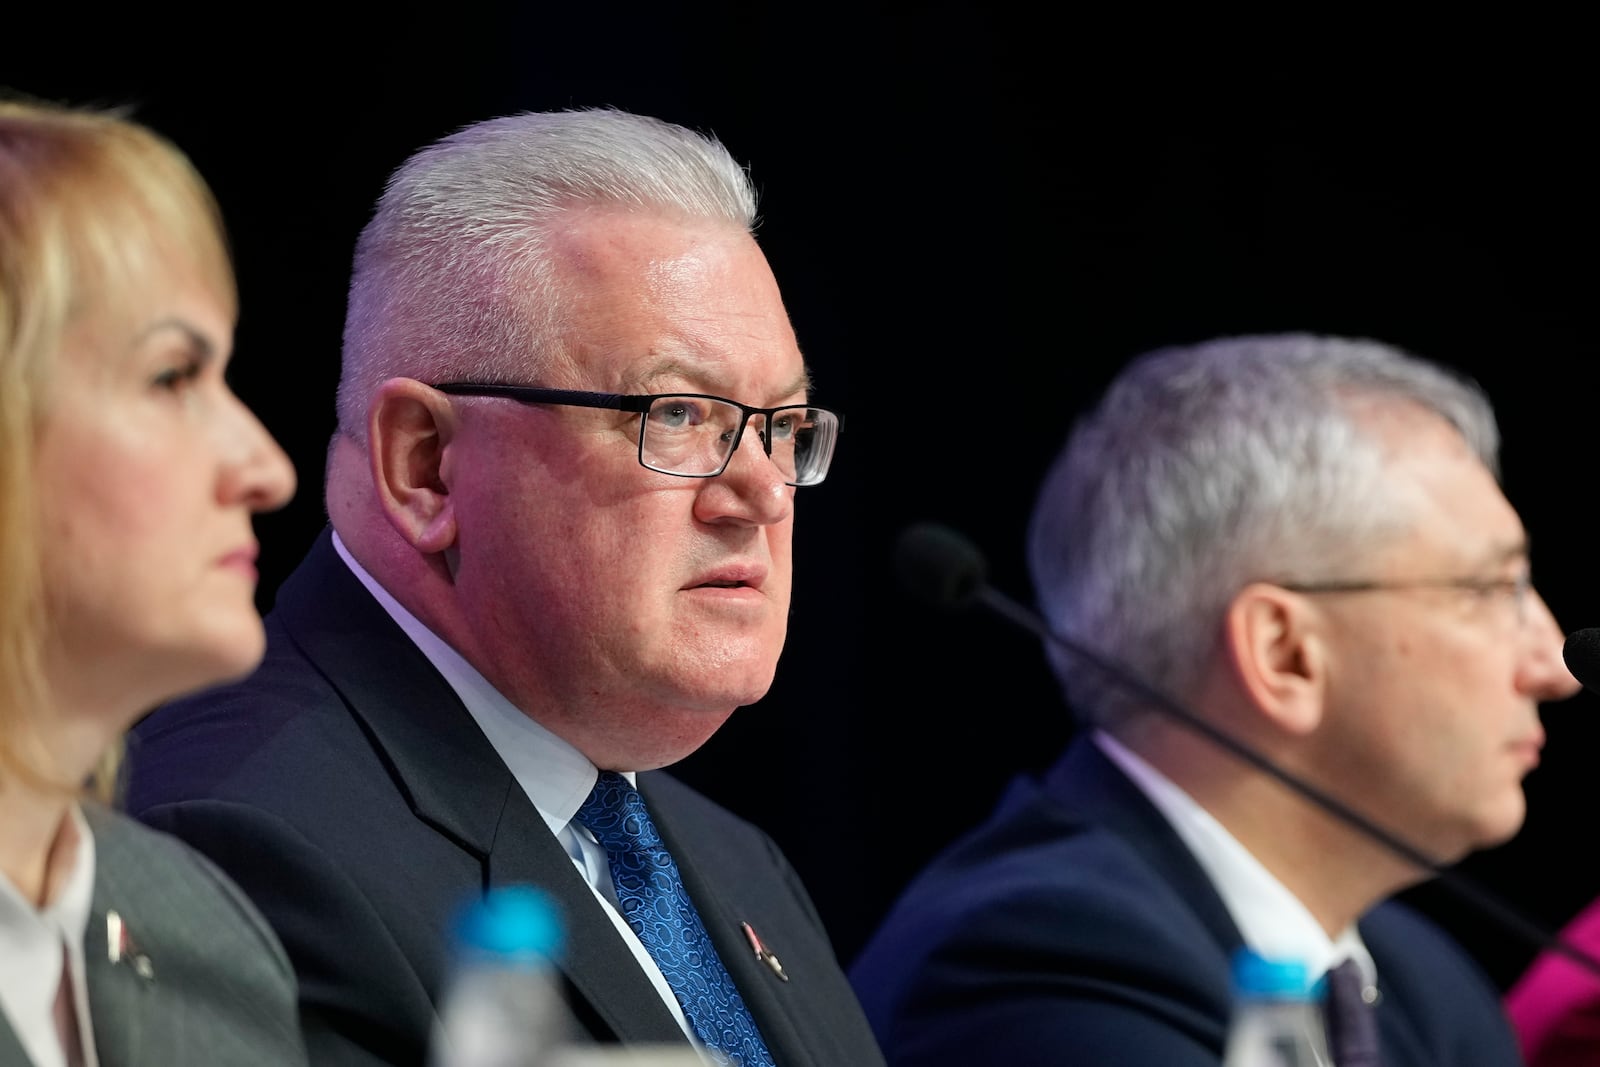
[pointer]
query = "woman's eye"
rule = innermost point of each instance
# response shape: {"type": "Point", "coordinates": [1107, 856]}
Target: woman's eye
{"type": "Point", "coordinates": [175, 378]}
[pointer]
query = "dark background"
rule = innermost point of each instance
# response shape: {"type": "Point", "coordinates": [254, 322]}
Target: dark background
{"type": "Point", "coordinates": [977, 212]}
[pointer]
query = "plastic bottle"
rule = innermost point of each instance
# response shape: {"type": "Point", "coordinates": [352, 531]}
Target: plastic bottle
{"type": "Point", "coordinates": [1277, 1015]}
{"type": "Point", "coordinates": [504, 1006]}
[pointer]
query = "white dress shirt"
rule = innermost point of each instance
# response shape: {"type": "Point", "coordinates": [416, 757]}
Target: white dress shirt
{"type": "Point", "coordinates": [1271, 919]}
{"type": "Point", "coordinates": [34, 945]}
{"type": "Point", "coordinates": [556, 777]}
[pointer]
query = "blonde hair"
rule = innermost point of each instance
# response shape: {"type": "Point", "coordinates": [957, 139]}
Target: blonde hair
{"type": "Point", "coordinates": [88, 197]}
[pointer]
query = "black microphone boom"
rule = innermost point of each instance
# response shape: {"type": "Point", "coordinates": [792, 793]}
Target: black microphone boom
{"type": "Point", "coordinates": [947, 570]}
{"type": "Point", "coordinates": [940, 566]}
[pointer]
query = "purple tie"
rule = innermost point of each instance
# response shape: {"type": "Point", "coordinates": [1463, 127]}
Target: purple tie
{"type": "Point", "coordinates": [653, 900]}
{"type": "Point", "coordinates": [1352, 1020]}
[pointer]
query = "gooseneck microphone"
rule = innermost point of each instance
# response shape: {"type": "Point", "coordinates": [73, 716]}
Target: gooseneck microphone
{"type": "Point", "coordinates": [945, 569]}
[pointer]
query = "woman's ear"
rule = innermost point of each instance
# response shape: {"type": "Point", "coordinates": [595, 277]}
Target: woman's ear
{"type": "Point", "coordinates": [1278, 653]}
{"type": "Point", "coordinates": [409, 426]}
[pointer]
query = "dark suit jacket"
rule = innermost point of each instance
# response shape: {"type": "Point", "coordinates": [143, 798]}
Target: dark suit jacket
{"type": "Point", "coordinates": [218, 990]}
{"type": "Point", "coordinates": [350, 793]}
{"type": "Point", "coordinates": [1075, 927]}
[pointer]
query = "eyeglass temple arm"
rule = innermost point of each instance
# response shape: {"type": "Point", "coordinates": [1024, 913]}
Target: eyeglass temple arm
{"type": "Point", "coordinates": [531, 395]}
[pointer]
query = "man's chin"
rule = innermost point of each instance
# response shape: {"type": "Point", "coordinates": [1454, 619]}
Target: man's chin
{"type": "Point", "coordinates": [672, 736]}
{"type": "Point", "coordinates": [735, 679]}
{"type": "Point", "coordinates": [1502, 835]}
{"type": "Point", "coordinates": [1494, 828]}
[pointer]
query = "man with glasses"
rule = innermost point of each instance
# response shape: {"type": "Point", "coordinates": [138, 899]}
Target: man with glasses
{"type": "Point", "coordinates": [1301, 541]}
{"type": "Point", "coordinates": [573, 420]}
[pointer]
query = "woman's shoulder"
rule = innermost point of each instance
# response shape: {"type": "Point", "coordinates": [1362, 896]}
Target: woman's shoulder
{"type": "Point", "coordinates": [138, 866]}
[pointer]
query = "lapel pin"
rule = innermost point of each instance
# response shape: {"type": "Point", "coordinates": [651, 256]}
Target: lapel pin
{"type": "Point", "coordinates": [761, 951]}
{"type": "Point", "coordinates": [120, 946]}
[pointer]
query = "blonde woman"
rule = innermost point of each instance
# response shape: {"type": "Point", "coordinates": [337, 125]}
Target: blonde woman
{"type": "Point", "coordinates": [129, 473]}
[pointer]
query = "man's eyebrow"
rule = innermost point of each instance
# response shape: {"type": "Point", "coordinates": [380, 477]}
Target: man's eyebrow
{"type": "Point", "coordinates": [1508, 551]}
{"type": "Point", "coordinates": [801, 384]}
{"type": "Point", "coordinates": [670, 367]}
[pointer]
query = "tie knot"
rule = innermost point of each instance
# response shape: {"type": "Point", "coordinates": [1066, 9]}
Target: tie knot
{"type": "Point", "coordinates": [1345, 972]}
{"type": "Point", "coordinates": [616, 815]}
{"type": "Point", "coordinates": [1347, 983]}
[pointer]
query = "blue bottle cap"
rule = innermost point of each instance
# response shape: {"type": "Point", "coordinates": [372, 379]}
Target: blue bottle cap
{"type": "Point", "coordinates": [515, 922]}
{"type": "Point", "coordinates": [1255, 975]}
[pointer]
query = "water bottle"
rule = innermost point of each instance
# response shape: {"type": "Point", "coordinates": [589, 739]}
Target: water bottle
{"type": "Point", "coordinates": [504, 1005]}
{"type": "Point", "coordinates": [1277, 1015]}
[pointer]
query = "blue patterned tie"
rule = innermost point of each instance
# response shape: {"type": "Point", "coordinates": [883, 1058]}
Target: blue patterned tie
{"type": "Point", "coordinates": [650, 891]}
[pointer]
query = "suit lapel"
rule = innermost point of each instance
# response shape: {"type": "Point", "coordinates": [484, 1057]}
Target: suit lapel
{"type": "Point", "coordinates": [1090, 786]}
{"type": "Point", "coordinates": [1402, 1045]}
{"type": "Point", "coordinates": [452, 776]}
{"type": "Point", "coordinates": [598, 963]}
{"type": "Point", "coordinates": [1400, 1011]}
{"type": "Point", "coordinates": [10, 1046]}
{"type": "Point", "coordinates": [119, 997]}
{"type": "Point", "coordinates": [455, 780]}
{"type": "Point", "coordinates": [760, 987]}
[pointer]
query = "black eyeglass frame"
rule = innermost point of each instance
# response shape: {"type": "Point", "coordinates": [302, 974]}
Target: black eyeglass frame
{"type": "Point", "coordinates": [640, 403]}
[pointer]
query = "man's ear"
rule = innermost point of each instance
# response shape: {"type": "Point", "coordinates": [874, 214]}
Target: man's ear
{"type": "Point", "coordinates": [409, 426]}
{"type": "Point", "coordinates": [1278, 653]}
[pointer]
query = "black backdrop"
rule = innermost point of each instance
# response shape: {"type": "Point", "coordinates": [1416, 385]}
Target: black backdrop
{"type": "Point", "coordinates": [974, 211]}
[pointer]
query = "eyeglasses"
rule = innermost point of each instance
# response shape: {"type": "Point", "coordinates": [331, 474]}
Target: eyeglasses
{"type": "Point", "coordinates": [1514, 589]}
{"type": "Point", "coordinates": [694, 435]}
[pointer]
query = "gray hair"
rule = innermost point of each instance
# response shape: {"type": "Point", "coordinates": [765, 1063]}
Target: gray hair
{"type": "Point", "coordinates": [1207, 467]}
{"type": "Point", "coordinates": [452, 277]}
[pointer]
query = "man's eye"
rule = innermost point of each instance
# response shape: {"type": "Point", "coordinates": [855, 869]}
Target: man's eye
{"type": "Point", "coordinates": [678, 414]}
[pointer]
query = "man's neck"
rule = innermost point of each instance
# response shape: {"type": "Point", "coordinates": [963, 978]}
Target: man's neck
{"type": "Point", "coordinates": [1334, 869]}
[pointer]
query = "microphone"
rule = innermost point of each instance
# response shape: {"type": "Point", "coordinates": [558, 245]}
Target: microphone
{"type": "Point", "coordinates": [946, 570]}
{"type": "Point", "coordinates": [1582, 655]}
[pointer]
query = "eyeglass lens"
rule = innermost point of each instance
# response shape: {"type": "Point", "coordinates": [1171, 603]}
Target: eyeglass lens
{"type": "Point", "coordinates": [695, 435]}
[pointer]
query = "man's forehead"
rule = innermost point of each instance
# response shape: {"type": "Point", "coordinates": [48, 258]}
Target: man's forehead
{"type": "Point", "coordinates": [586, 231]}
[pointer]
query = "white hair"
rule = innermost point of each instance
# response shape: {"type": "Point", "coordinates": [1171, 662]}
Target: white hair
{"type": "Point", "coordinates": [452, 277]}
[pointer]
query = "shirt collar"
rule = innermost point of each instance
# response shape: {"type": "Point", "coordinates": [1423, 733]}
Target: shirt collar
{"type": "Point", "coordinates": [1271, 919]}
{"type": "Point", "coordinates": [556, 777]}
{"type": "Point", "coordinates": [33, 941]}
